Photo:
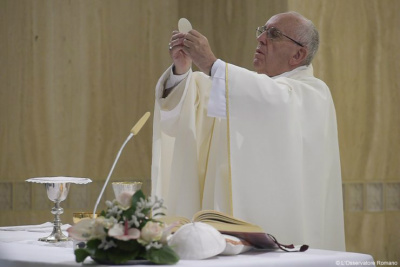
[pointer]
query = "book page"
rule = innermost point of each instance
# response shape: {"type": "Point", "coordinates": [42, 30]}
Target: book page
{"type": "Point", "coordinates": [174, 219]}
{"type": "Point", "coordinates": [226, 224]}
{"type": "Point", "coordinates": [223, 221]}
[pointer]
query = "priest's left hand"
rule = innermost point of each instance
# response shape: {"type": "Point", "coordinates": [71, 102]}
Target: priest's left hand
{"type": "Point", "coordinates": [197, 47]}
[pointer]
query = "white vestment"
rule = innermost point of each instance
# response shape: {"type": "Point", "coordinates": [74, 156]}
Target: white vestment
{"type": "Point", "coordinates": [274, 161]}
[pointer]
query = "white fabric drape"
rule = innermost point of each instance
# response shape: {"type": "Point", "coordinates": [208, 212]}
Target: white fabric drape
{"type": "Point", "coordinates": [284, 154]}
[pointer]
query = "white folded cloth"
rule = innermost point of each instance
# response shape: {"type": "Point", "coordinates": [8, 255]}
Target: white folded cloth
{"type": "Point", "coordinates": [44, 227]}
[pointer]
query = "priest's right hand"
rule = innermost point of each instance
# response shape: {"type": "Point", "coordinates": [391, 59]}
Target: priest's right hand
{"type": "Point", "coordinates": [182, 61]}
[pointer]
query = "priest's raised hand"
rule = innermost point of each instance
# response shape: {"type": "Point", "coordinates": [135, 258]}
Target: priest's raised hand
{"type": "Point", "coordinates": [181, 59]}
{"type": "Point", "coordinates": [197, 47]}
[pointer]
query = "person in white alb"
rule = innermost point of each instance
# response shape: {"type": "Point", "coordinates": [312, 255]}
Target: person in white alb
{"type": "Point", "coordinates": [261, 146]}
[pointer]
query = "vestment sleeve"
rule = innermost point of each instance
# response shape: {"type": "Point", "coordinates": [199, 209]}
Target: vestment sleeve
{"type": "Point", "coordinates": [170, 106]}
{"type": "Point", "coordinates": [217, 101]}
{"type": "Point", "coordinates": [173, 79]}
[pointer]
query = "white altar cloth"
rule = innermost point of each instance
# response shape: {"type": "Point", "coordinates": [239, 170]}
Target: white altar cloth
{"type": "Point", "coordinates": [21, 249]}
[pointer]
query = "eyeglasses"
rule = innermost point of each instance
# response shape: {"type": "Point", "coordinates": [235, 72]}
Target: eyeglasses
{"type": "Point", "coordinates": [274, 33]}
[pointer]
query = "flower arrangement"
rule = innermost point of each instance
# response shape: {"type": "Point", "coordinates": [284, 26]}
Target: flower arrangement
{"type": "Point", "coordinates": [125, 231]}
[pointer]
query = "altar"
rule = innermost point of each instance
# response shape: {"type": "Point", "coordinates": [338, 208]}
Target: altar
{"type": "Point", "coordinates": [19, 247]}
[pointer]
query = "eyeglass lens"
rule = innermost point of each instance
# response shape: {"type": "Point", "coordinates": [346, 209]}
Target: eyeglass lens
{"type": "Point", "coordinates": [272, 33]}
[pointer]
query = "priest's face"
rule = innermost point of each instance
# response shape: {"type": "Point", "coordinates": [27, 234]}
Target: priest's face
{"type": "Point", "coordinates": [276, 45]}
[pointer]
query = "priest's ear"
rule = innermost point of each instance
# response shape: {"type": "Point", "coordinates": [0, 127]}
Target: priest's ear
{"type": "Point", "coordinates": [299, 56]}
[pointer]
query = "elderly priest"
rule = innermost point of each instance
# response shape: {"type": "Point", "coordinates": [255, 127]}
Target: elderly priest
{"type": "Point", "coordinates": [261, 146]}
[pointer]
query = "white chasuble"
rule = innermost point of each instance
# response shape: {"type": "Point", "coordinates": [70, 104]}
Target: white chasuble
{"type": "Point", "coordinates": [282, 171]}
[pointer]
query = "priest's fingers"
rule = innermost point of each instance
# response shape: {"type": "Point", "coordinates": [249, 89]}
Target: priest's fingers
{"type": "Point", "coordinates": [180, 58]}
{"type": "Point", "coordinates": [196, 42]}
{"type": "Point", "coordinates": [176, 40]}
{"type": "Point", "coordinates": [188, 43]}
{"type": "Point", "coordinates": [175, 50]}
{"type": "Point", "coordinates": [194, 33]}
{"type": "Point", "coordinates": [197, 47]}
{"type": "Point", "coordinates": [195, 37]}
{"type": "Point", "coordinates": [176, 36]}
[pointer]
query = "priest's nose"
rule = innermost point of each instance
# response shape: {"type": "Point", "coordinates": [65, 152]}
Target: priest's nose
{"type": "Point", "coordinates": [262, 38]}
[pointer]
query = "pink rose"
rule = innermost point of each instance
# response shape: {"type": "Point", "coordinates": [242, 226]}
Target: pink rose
{"type": "Point", "coordinates": [122, 232]}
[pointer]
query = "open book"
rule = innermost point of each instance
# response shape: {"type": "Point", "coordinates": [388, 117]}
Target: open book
{"type": "Point", "coordinates": [229, 225]}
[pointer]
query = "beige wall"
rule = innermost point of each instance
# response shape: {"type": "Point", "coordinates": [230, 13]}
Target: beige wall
{"type": "Point", "coordinates": [76, 75]}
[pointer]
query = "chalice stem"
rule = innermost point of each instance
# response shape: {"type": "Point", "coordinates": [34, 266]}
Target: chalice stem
{"type": "Point", "coordinates": [57, 211]}
{"type": "Point", "coordinates": [57, 235]}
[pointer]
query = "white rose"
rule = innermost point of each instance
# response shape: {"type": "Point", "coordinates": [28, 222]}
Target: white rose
{"type": "Point", "coordinates": [152, 231]}
{"type": "Point", "coordinates": [86, 229]}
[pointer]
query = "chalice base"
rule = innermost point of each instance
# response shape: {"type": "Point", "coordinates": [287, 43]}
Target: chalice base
{"type": "Point", "coordinates": [56, 236]}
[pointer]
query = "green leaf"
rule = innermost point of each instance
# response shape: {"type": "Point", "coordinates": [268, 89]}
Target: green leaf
{"type": "Point", "coordinates": [136, 198]}
{"type": "Point", "coordinates": [164, 255]}
{"type": "Point", "coordinates": [81, 254]}
{"type": "Point", "coordinates": [118, 256]}
{"type": "Point", "coordinates": [146, 211]}
{"type": "Point", "coordinates": [131, 245]}
{"type": "Point", "coordinates": [93, 244]}
{"type": "Point", "coordinates": [128, 213]}
{"type": "Point", "coordinates": [100, 254]}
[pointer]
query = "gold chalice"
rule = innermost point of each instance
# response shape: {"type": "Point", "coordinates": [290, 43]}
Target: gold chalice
{"type": "Point", "coordinates": [77, 216]}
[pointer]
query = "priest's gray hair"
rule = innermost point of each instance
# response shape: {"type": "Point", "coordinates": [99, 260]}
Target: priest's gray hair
{"type": "Point", "coordinates": [307, 34]}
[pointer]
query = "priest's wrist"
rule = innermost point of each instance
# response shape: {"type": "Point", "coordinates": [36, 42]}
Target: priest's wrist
{"type": "Point", "coordinates": [179, 71]}
{"type": "Point", "coordinates": [210, 74]}
{"type": "Point", "coordinates": [207, 70]}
